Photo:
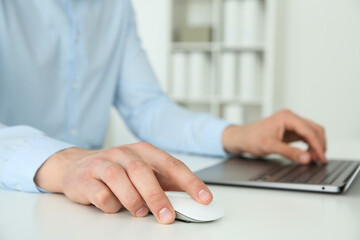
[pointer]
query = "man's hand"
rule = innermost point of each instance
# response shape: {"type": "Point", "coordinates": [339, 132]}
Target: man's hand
{"type": "Point", "coordinates": [133, 176]}
{"type": "Point", "coordinates": [272, 135]}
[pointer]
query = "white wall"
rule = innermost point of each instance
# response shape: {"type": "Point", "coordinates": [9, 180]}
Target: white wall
{"type": "Point", "coordinates": [320, 63]}
{"type": "Point", "coordinates": [318, 60]}
{"type": "Point", "coordinates": [153, 21]}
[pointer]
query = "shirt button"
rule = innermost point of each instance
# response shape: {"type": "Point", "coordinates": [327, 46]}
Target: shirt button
{"type": "Point", "coordinates": [77, 38]}
{"type": "Point", "coordinates": [72, 132]}
{"type": "Point", "coordinates": [75, 85]}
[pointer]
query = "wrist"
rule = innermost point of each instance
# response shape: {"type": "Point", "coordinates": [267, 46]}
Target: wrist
{"type": "Point", "coordinates": [50, 175]}
{"type": "Point", "coordinates": [231, 139]}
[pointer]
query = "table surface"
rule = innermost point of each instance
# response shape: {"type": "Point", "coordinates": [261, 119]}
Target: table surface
{"type": "Point", "coordinates": [250, 214]}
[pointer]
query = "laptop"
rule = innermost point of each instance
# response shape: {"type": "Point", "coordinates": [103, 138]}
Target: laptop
{"type": "Point", "coordinates": [334, 177]}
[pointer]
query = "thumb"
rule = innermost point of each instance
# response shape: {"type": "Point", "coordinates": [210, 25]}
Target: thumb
{"type": "Point", "coordinates": [295, 154]}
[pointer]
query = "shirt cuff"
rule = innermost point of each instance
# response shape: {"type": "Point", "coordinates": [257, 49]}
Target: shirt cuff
{"type": "Point", "coordinates": [212, 137]}
{"type": "Point", "coordinates": [20, 169]}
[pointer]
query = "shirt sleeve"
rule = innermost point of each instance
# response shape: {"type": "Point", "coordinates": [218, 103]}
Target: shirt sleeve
{"type": "Point", "coordinates": [23, 150]}
{"type": "Point", "coordinates": [152, 116]}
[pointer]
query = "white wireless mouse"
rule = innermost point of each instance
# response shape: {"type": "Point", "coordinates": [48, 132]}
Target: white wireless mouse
{"type": "Point", "coordinates": [188, 210]}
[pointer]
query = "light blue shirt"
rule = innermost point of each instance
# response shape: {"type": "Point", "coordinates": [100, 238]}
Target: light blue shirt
{"type": "Point", "coordinates": [63, 64]}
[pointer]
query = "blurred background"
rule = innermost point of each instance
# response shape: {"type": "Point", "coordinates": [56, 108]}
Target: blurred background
{"type": "Point", "coordinates": [243, 60]}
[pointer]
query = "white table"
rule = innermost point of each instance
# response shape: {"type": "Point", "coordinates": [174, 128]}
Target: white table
{"type": "Point", "coordinates": [250, 214]}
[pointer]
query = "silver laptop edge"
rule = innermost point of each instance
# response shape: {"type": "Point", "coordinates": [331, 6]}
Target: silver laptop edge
{"type": "Point", "coordinates": [282, 186]}
{"type": "Point", "coordinates": [208, 176]}
{"type": "Point", "coordinates": [353, 177]}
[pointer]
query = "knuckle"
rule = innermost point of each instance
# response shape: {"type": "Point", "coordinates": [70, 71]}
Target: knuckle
{"type": "Point", "coordinates": [91, 167]}
{"type": "Point", "coordinates": [173, 163]}
{"type": "Point", "coordinates": [132, 203]}
{"type": "Point", "coordinates": [102, 197]}
{"type": "Point", "coordinates": [97, 161]}
{"type": "Point", "coordinates": [312, 135]}
{"type": "Point", "coordinates": [286, 111]}
{"type": "Point", "coordinates": [137, 166]}
{"type": "Point", "coordinates": [155, 197]}
{"type": "Point", "coordinates": [195, 182]}
{"type": "Point", "coordinates": [116, 151]}
{"type": "Point", "coordinates": [113, 209]}
{"type": "Point", "coordinates": [112, 171]}
{"type": "Point", "coordinates": [143, 145]}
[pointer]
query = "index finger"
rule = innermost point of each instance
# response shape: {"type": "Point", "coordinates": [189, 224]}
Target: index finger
{"type": "Point", "coordinates": [320, 131]}
{"type": "Point", "coordinates": [145, 182]}
{"type": "Point", "coordinates": [297, 125]}
{"type": "Point", "coordinates": [176, 171]}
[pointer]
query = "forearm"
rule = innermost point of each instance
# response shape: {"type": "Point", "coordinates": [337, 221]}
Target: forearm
{"type": "Point", "coordinates": [23, 150]}
{"type": "Point", "coordinates": [174, 128]}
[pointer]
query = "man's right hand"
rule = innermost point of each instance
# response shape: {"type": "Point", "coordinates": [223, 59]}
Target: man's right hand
{"type": "Point", "coordinates": [133, 176]}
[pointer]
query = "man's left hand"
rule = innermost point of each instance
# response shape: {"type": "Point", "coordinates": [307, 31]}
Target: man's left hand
{"type": "Point", "coordinates": [272, 135]}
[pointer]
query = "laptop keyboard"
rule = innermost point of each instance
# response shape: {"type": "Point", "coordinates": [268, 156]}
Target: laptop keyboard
{"type": "Point", "coordinates": [312, 174]}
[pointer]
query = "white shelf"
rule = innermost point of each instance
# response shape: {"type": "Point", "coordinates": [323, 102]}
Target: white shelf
{"type": "Point", "coordinates": [217, 46]}
{"type": "Point", "coordinates": [192, 46]}
{"type": "Point", "coordinates": [218, 52]}
{"type": "Point", "coordinates": [258, 47]}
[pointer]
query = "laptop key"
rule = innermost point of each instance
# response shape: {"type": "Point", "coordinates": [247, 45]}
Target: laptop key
{"type": "Point", "coordinates": [308, 174]}
{"type": "Point", "coordinates": [267, 173]}
{"type": "Point", "coordinates": [279, 174]}
{"type": "Point", "coordinates": [294, 174]}
{"type": "Point", "coordinates": [326, 170]}
{"type": "Point", "coordinates": [318, 178]}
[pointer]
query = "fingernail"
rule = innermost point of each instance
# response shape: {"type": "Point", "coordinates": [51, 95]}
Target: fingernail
{"type": "Point", "coordinates": [304, 158]}
{"type": "Point", "coordinates": [142, 212]}
{"type": "Point", "coordinates": [204, 195]}
{"type": "Point", "coordinates": [165, 215]}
